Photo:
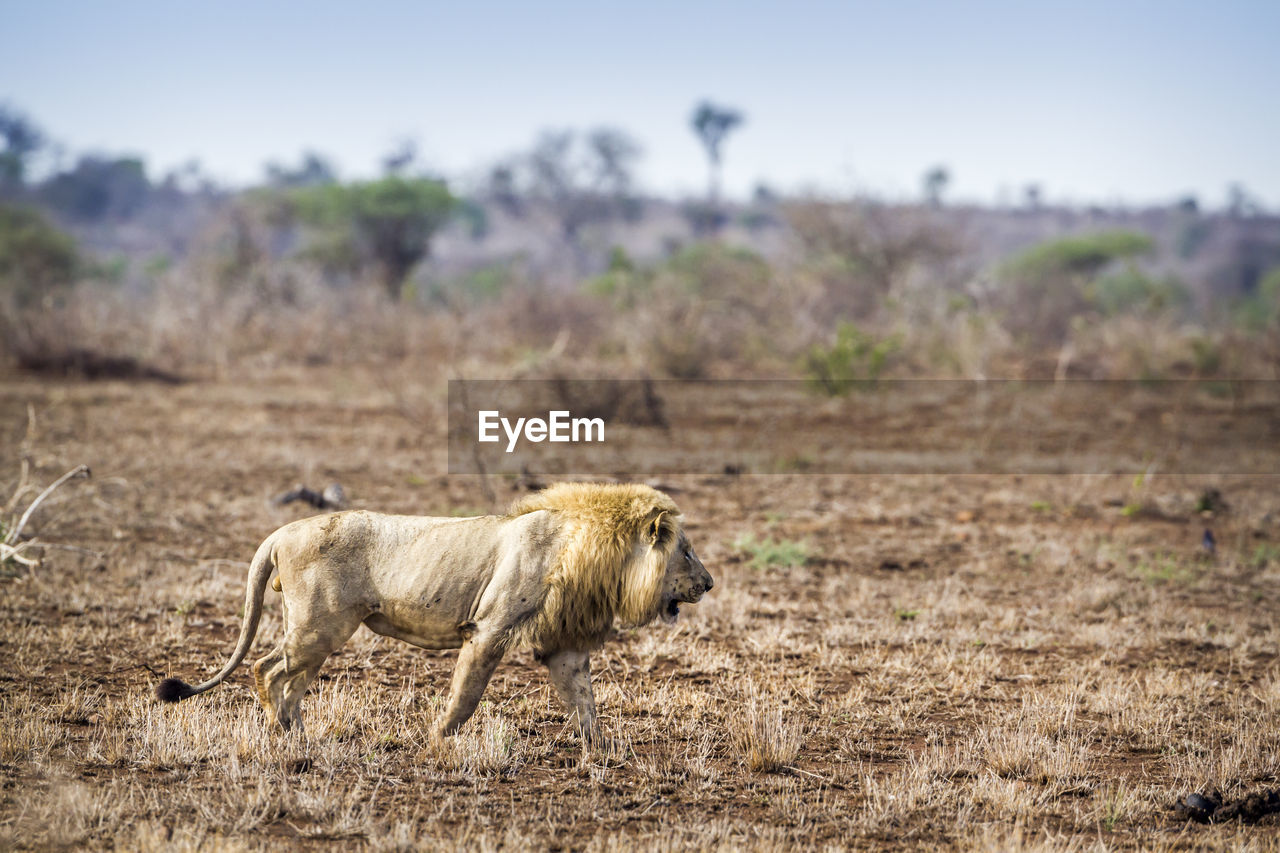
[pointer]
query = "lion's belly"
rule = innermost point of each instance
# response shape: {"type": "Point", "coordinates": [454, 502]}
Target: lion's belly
{"type": "Point", "coordinates": [424, 634]}
{"type": "Point", "coordinates": [428, 587]}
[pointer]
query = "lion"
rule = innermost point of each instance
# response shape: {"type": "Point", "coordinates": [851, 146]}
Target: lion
{"type": "Point", "coordinates": [554, 574]}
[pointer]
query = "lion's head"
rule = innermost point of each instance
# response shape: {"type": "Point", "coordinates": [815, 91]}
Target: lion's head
{"type": "Point", "coordinates": [686, 580]}
{"type": "Point", "coordinates": [623, 556]}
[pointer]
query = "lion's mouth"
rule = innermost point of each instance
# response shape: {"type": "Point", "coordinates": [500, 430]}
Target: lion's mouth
{"type": "Point", "coordinates": [671, 609]}
{"type": "Point", "coordinates": [671, 612]}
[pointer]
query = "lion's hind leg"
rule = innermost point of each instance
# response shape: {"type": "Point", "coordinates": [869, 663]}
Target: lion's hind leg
{"type": "Point", "coordinates": [284, 675]}
{"type": "Point", "coordinates": [270, 686]}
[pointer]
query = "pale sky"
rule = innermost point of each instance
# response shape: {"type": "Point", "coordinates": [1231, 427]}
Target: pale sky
{"type": "Point", "coordinates": [1096, 100]}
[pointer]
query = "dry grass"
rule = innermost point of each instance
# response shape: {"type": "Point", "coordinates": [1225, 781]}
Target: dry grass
{"type": "Point", "coordinates": [1030, 679]}
{"type": "Point", "coordinates": [713, 309]}
{"type": "Point", "coordinates": [765, 734]}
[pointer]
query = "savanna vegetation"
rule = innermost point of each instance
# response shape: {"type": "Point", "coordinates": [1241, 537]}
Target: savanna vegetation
{"type": "Point", "coordinates": [886, 662]}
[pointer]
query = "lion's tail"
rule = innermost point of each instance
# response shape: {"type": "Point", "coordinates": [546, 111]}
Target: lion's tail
{"type": "Point", "coordinates": [175, 689]}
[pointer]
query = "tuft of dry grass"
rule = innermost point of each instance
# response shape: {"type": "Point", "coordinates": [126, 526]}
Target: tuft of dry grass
{"type": "Point", "coordinates": [489, 746]}
{"type": "Point", "coordinates": [765, 734]}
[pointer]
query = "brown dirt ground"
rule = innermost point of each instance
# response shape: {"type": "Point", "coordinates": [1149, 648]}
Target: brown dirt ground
{"type": "Point", "coordinates": [968, 661]}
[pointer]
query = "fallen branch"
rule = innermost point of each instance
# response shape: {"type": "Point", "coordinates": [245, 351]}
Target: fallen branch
{"type": "Point", "coordinates": [9, 551]}
{"type": "Point", "coordinates": [80, 471]}
{"type": "Point", "coordinates": [15, 554]}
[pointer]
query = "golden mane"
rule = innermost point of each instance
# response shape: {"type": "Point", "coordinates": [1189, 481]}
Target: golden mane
{"type": "Point", "coordinates": [615, 544]}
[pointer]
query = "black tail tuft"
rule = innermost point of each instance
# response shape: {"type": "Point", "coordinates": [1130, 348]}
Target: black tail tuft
{"type": "Point", "coordinates": [173, 690]}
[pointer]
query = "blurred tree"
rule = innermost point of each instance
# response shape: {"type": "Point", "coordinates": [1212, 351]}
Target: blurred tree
{"type": "Point", "coordinates": [21, 139]}
{"type": "Point", "coordinates": [1240, 202]}
{"type": "Point", "coordinates": [98, 189]}
{"type": "Point", "coordinates": [556, 180]}
{"type": "Point", "coordinates": [1084, 255]}
{"type": "Point", "coordinates": [712, 124]}
{"type": "Point", "coordinates": [474, 218]}
{"type": "Point", "coordinates": [582, 179]}
{"type": "Point", "coordinates": [1259, 311]}
{"type": "Point", "coordinates": [762, 212]}
{"type": "Point", "coordinates": [869, 250]}
{"type": "Point", "coordinates": [504, 191]}
{"type": "Point", "coordinates": [1032, 196]}
{"type": "Point", "coordinates": [1192, 231]}
{"type": "Point", "coordinates": [36, 259]}
{"type": "Point", "coordinates": [313, 170]}
{"type": "Point", "coordinates": [1246, 255]}
{"type": "Point", "coordinates": [935, 184]}
{"type": "Point", "coordinates": [615, 153]}
{"type": "Point", "coordinates": [704, 218]}
{"type": "Point", "coordinates": [400, 158]}
{"type": "Point", "coordinates": [1048, 285]}
{"type": "Point", "coordinates": [385, 224]}
{"type": "Point", "coordinates": [705, 303]}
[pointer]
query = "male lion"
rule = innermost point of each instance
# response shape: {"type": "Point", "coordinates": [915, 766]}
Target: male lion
{"type": "Point", "coordinates": [553, 573]}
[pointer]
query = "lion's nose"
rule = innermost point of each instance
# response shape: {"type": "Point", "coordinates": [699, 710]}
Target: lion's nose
{"type": "Point", "coordinates": [708, 582]}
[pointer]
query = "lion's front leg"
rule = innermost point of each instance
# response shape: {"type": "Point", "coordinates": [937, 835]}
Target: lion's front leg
{"type": "Point", "coordinates": [570, 674]}
{"type": "Point", "coordinates": [476, 663]}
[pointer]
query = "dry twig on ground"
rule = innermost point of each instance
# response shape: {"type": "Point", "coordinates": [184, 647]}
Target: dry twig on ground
{"type": "Point", "coordinates": [11, 551]}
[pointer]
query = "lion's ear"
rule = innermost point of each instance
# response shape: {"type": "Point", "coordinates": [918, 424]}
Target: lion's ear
{"type": "Point", "coordinates": [657, 532]}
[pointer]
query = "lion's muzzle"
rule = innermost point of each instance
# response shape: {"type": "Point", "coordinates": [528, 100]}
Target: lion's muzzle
{"type": "Point", "coordinates": [701, 585]}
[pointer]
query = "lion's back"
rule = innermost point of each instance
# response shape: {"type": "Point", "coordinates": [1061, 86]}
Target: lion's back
{"type": "Point", "coordinates": [400, 556]}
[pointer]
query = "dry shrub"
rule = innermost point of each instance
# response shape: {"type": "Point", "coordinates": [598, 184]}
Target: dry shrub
{"type": "Point", "coordinates": [957, 341]}
{"type": "Point", "coordinates": [82, 332]}
{"type": "Point", "coordinates": [861, 252]}
{"type": "Point", "coordinates": [1023, 753]}
{"type": "Point", "coordinates": [533, 320]}
{"type": "Point", "coordinates": [766, 736]}
{"type": "Point", "coordinates": [229, 303]}
{"type": "Point", "coordinates": [708, 310]}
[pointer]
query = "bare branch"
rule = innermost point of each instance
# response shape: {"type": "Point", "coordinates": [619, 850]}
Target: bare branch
{"type": "Point", "coordinates": [80, 471]}
{"type": "Point", "coordinates": [8, 552]}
